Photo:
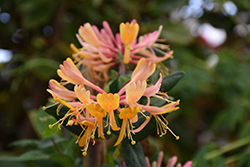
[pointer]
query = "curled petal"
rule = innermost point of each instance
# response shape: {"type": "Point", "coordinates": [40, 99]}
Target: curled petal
{"type": "Point", "coordinates": [134, 91]}
{"type": "Point", "coordinates": [57, 90]}
{"type": "Point", "coordinates": [161, 110]}
{"type": "Point", "coordinates": [143, 70]}
{"type": "Point", "coordinates": [86, 32]}
{"type": "Point", "coordinates": [152, 57]}
{"type": "Point", "coordinates": [69, 72]}
{"type": "Point", "coordinates": [152, 90]}
{"type": "Point", "coordinates": [82, 94]}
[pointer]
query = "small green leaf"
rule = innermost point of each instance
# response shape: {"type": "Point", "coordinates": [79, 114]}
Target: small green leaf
{"type": "Point", "coordinates": [118, 83]}
{"type": "Point", "coordinates": [43, 122]}
{"type": "Point", "coordinates": [62, 160]}
{"type": "Point", "coordinates": [28, 156]}
{"type": "Point", "coordinates": [25, 143]}
{"type": "Point", "coordinates": [171, 80]}
{"type": "Point", "coordinates": [133, 155]}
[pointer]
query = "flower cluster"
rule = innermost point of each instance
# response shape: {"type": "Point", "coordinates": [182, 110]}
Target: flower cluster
{"type": "Point", "coordinates": [101, 49]}
{"type": "Point", "coordinates": [92, 110]}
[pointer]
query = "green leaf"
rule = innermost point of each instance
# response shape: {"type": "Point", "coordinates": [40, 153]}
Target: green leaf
{"type": "Point", "coordinates": [171, 80]}
{"type": "Point", "coordinates": [25, 143]}
{"type": "Point", "coordinates": [43, 67]}
{"type": "Point", "coordinates": [133, 155]}
{"type": "Point", "coordinates": [43, 122]}
{"type": "Point", "coordinates": [62, 160]}
{"type": "Point", "coordinates": [37, 16]}
{"type": "Point", "coordinates": [118, 83]}
{"type": "Point", "coordinates": [27, 156]}
{"type": "Point", "coordinates": [199, 159]}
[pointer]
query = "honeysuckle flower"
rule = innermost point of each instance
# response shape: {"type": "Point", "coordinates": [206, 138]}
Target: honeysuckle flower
{"type": "Point", "coordinates": [69, 72]}
{"type": "Point", "coordinates": [110, 50]}
{"type": "Point", "coordinates": [128, 32]}
{"type": "Point", "coordinates": [142, 71]}
{"type": "Point", "coordinates": [109, 102]}
{"type": "Point", "coordinates": [85, 135]}
{"type": "Point", "coordinates": [126, 115]}
{"type": "Point", "coordinates": [96, 111]}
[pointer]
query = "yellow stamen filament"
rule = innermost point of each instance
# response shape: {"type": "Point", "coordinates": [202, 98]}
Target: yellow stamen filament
{"type": "Point", "coordinates": [51, 105]}
{"type": "Point", "coordinates": [162, 127]}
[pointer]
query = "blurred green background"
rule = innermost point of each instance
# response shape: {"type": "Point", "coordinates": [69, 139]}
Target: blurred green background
{"type": "Point", "coordinates": [211, 44]}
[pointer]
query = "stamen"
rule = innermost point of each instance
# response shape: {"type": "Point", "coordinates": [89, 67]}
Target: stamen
{"type": "Point", "coordinates": [58, 109]}
{"type": "Point", "coordinates": [51, 105]}
{"type": "Point", "coordinates": [59, 122]}
{"type": "Point", "coordinates": [109, 132]}
{"type": "Point", "coordinates": [176, 137]}
{"type": "Point", "coordinates": [162, 127]}
{"type": "Point", "coordinates": [147, 117]}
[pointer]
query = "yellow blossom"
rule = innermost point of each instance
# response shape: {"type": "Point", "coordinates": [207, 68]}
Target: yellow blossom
{"type": "Point", "coordinates": [128, 33]}
{"type": "Point", "coordinates": [126, 115]}
{"type": "Point", "coordinates": [109, 102]}
{"type": "Point", "coordinates": [99, 113]}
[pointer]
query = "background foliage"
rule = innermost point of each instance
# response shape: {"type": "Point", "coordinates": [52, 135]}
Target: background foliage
{"type": "Point", "coordinates": [213, 121]}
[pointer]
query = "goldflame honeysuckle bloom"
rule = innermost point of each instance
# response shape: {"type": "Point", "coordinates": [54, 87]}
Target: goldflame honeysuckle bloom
{"type": "Point", "coordinates": [110, 102]}
{"type": "Point", "coordinates": [85, 135]}
{"type": "Point", "coordinates": [69, 72]}
{"type": "Point", "coordinates": [99, 113]}
{"type": "Point", "coordinates": [89, 110]}
{"type": "Point", "coordinates": [126, 115]}
{"type": "Point", "coordinates": [128, 32]}
{"type": "Point", "coordinates": [101, 48]}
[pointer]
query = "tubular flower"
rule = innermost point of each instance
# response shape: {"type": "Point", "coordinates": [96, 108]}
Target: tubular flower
{"type": "Point", "coordinates": [126, 115]}
{"type": "Point", "coordinates": [96, 111]}
{"type": "Point", "coordinates": [101, 48]}
{"type": "Point", "coordinates": [128, 34]}
{"type": "Point", "coordinates": [87, 132]}
{"type": "Point", "coordinates": [109, 102]}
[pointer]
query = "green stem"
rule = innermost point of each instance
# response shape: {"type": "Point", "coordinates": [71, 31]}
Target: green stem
{"type": "Point", "coordinates": [228, 147]}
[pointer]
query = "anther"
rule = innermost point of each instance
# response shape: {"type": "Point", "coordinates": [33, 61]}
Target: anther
{"type": "Point", "coordinates": [84, 153]}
